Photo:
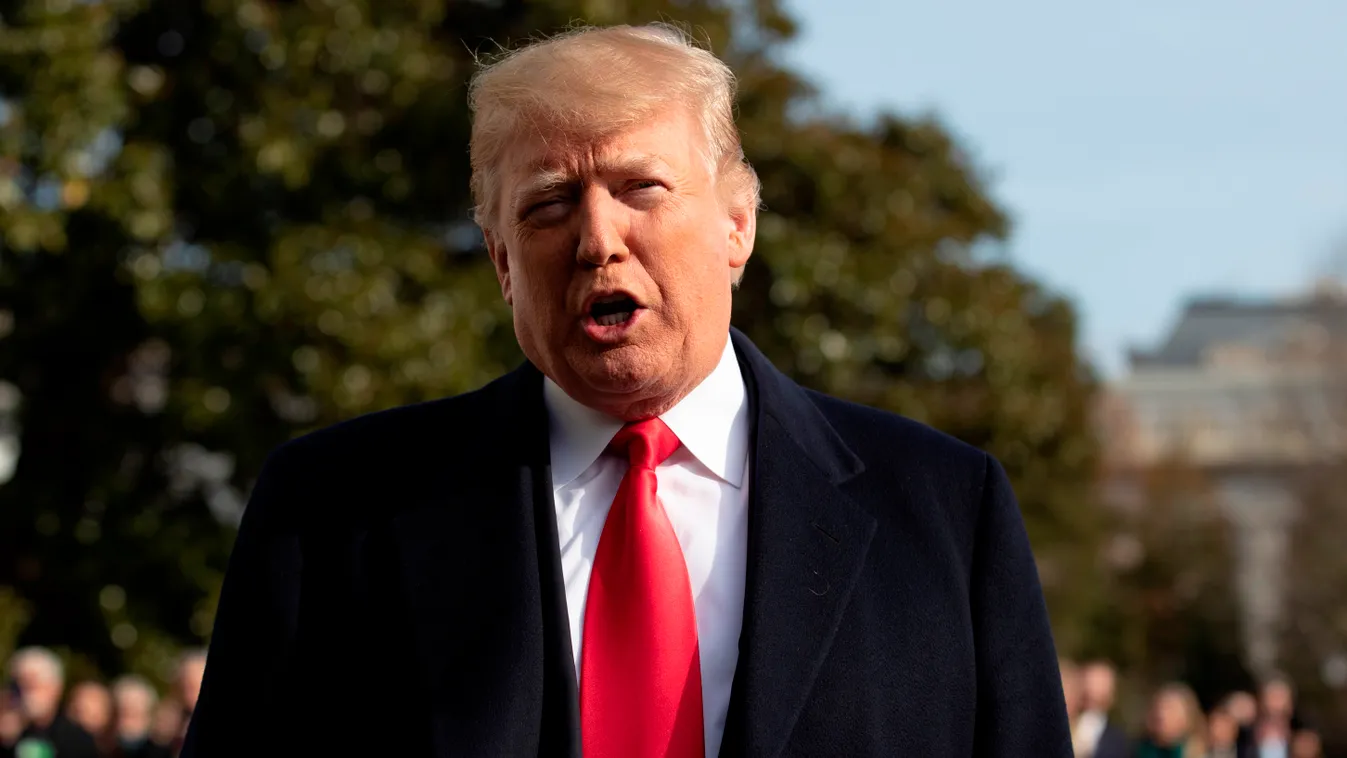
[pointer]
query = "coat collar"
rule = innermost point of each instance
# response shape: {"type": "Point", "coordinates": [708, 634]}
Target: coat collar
{"type": "Point", "coordinates": [483, 537]}
{"type": "Point", "coordinates": [806, 547]}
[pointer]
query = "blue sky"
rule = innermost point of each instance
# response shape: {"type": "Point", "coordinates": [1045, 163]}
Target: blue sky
{"type": "Point", "coordinates": [1147, 150]}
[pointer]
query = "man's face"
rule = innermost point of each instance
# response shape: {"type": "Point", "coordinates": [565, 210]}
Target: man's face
{"type": "Point", "coordinates": [90, 707]}
{"type": "Point", "coordinates": [1098, 683]}
{"type": "Point", "coordinates": [189, 681]}
{"type": "Point", "coordinates": [617, 257]}
{"type": "Point", "coordinates": [1071, 691]}
{"type": "Point", "coordinates": [1277, 699]}
{"type": "Point", "coordinates": [134, 711]}
{"type": "Point", "coordinates": [40, 693]}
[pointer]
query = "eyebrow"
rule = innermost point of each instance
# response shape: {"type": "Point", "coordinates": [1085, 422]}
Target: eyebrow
{"type": "Point", "coordinates": [543, 179]}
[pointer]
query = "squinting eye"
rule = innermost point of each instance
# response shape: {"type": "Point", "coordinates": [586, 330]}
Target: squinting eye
{"type": "Point", "coordinates": [547, 210]}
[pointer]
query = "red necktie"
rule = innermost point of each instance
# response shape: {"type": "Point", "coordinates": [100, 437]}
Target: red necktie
{"type": "Point", "coordinates": [640, 673]}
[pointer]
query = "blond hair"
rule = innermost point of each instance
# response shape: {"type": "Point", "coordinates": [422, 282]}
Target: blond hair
{"type": "Point", "coordinates": [590, 83]}
{"type": "Point", "coordinates": [1196, 743]}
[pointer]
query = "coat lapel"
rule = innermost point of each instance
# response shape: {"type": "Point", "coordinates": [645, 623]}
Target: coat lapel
{"type": "Point", "coordinates": [806, 547]}
{"type": "Point", "coordinates": [479, 602]}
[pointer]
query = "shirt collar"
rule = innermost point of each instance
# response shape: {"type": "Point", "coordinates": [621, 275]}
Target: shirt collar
{"type": "Point", "coordinates": [711, 422]}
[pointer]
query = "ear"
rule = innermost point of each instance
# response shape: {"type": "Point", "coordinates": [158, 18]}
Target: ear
{"type": "Point", "coordinates": [743, 231]}
{"type": "Point", "coordinates": [495, 248]}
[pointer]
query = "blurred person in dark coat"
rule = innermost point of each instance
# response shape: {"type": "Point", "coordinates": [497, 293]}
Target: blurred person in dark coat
{"type": "Point", "coordinates": [11, 720]}
{"type": "Point", "coordinates": [1271, 733]}
{"type": "Point", "coordinates": [1306, 743]}
{"type": "Point", "coordinates": [495, 573]}
{"type": "Point", "coordinates": [1175, 727]}
{"type": "Point", "coordinates": [186, 693]}
{"type": "Point", "coordinates": [38, 680]}
{"type": "Point", "coordinates": [89, 705]}
{"type": "Point", "coordinates": [1099, 735]}
{"type": "Point", "coordinates": [168, 725]}
{"type": "Point", "coordinates": [135, 701]}
{"type": "Point", "coordinates": [1223, 731]}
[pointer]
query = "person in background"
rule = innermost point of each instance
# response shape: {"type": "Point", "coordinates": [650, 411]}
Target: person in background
{"type": "Point", "coordinates": [187, 690]}
{"type": "Point", "coordinates": [191, 667]}
{"type": "Point", "coordinates": [39, 681]}
{"type": "Point", "coordinates": [1098, 736]}
{"type": "Point", "coordinates": [90, 706]}
{"type": "Point", "coordinates": [1174, 725]}
{"type": "Point", "coordinates": [1071, 693]}
{"type": "Point", "coordinates": [1307, 744]}
{"type": "Point", "coordinates": [11, 721]}
{"type": "Point", "coordinates": [1223, 735]}
{"type": "Point", "coordinates": [1242, 707]}
{"type": "Point", "coordinates": [1276, 723]}
{"type": "Point", "coordinates": [168, 726]}
{"type": "Point", "coordinates": [135, 703]}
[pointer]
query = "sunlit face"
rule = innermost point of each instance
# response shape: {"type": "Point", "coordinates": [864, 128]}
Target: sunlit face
{"type": "Point", "coordinates": [617, 257]}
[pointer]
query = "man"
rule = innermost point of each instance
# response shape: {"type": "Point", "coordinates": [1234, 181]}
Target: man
{"type": "Point", "coordinates": [38, 679]}
{"type": "Point", "coordinates": [187, 682]}
{"type": "Point", "coordinates": [1272, 732]}
{"type": "Point", "coordinates": [1071, 692]}
{"type": "Point", "coordinates": [135, 699]}
{"type": "Point", "coordinates": [646, 540]}
{"type": "Point", "coordinates": [1097, 736]}
{"type": "Point", "coordinates": [89, 706]}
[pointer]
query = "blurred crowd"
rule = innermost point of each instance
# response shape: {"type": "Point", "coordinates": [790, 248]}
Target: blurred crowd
{"type": "Point", "coordinates": [40, 717]}
{"type": "Point", "coordinates": [1240, 725]}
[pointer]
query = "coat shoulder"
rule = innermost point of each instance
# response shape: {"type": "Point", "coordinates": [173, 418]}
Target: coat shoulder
{"type": "Point", "coordinates": [390, 452]}
{"type": "Point", "coordinates": [460, 421]}
{"type": "Point", "coordinates": [886, 439]}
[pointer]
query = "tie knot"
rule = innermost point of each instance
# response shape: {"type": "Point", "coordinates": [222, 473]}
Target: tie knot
{"type": "Point", "coordinates": [645, 444]}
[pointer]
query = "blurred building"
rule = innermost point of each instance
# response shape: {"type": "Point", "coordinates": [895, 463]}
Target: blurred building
{"type": "Point", "coordinates": [1251, 394]}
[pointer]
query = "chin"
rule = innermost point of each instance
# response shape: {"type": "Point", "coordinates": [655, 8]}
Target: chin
{"type": "Point", "coordinates": [626, 370]}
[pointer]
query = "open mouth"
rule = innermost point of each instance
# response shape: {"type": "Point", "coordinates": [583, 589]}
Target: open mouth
{"type": "Point", "coordinates": [613, 310]}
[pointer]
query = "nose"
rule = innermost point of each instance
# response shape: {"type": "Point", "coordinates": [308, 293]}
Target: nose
{"type": "Point", "coordinates": [603, 229]}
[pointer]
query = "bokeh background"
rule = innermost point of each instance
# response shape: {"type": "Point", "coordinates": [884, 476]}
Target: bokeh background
{"type": "Point", "coordinates": [226, 222]}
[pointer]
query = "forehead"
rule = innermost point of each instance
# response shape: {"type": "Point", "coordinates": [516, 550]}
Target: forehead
{"type": "Point", "coordinates": [90, 691]}
{"type": "Point", "coordinates": [32, 669]}
{"type": "Point", "coordinates": [670, 137]}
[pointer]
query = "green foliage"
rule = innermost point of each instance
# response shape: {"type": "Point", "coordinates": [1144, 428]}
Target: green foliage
{"type": "Point", "coordinates": [228, 222]}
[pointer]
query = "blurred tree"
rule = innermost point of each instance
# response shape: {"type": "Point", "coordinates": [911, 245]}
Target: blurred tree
{"type": "Point", "coordinates": [1169, 609]}
{"type": "Point", "coordinates": [1314, 640]}
{"type": "Point", "coordinates": [229, 221]}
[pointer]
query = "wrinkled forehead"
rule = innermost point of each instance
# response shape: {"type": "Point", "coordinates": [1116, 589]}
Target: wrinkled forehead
{"type": "Point", "coordinates": [541, 153]}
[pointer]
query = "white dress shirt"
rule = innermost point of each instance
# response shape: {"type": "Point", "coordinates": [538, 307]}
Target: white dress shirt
{"type": "Point", "coordinates": [1089, 730]}
{"type": "Point", "coordinates": [703, 487]}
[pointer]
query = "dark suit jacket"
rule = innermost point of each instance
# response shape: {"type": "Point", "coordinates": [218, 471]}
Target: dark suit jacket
{"type": "Point", "coordinates": [1113, 743]}
{"type": "Point", "coordinates": [396, 590]}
